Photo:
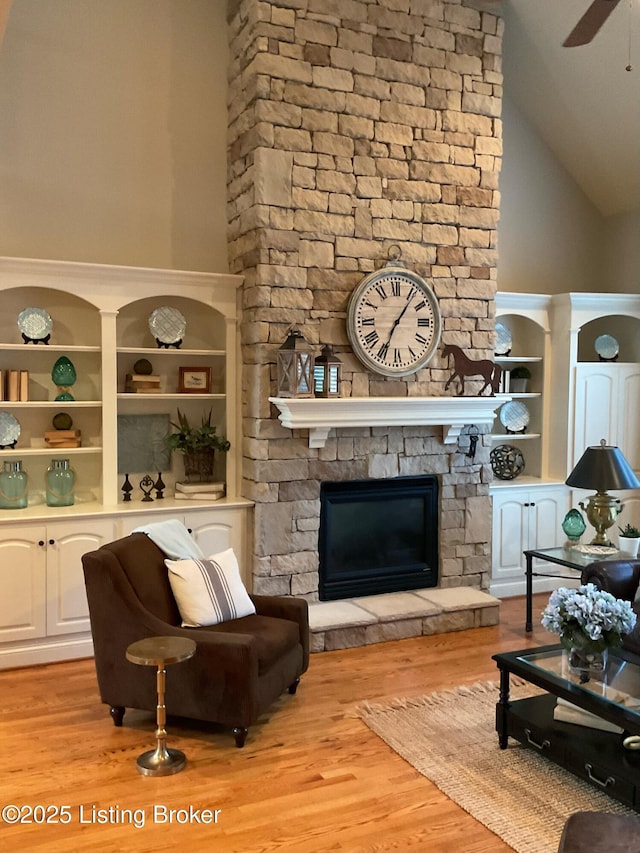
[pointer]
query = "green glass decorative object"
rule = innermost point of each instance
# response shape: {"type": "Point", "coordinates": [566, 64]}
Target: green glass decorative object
{"type": "Point", "coordinates": [13, 485]}
{"type": "Point", "coordinates": [60, 482]}
{"type": "Point", "coordinates": [63, 373]}
{"type": "Point", "coordinates": [573, 526]}
{"type": "Point", "coordinates": [64, 376]}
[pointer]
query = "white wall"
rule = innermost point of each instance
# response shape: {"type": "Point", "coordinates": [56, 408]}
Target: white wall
{"type": "Point", "coordinates": [113, 132]}
{"type": "Point", "coordinates": [550, 236]}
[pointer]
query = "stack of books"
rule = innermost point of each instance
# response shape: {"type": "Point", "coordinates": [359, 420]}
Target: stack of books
{"type": "Point", "coordinates": [199, 491]}
{"type": "Point", "coordinates": [14, 386]}
{"type": "Point", "coordinates": [140, 383]}
{"type": "Point", "coordinates": [568, 713]}
{"type": "Point", "coordinates": [59, 438]}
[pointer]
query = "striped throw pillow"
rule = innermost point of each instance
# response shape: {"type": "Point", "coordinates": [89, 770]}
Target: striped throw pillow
{"type": "Point", "coordinates": [209, 591]}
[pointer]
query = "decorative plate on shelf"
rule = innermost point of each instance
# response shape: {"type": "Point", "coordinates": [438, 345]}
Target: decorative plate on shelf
{"type": "Point", "coordinates": [167, 325]}
{"type": "Point", "coordinates": [9, 430]}
{"type": "Point", "coordinates": [35, 324]}
{"type": "Point", "coordinates": [514, 416]}
{"type": "Point", "coordinates": [503, 340]}
{"type": "Point", "coordinates": [507, 462]}
{"type": "Point", "coordinates": [607, 347]}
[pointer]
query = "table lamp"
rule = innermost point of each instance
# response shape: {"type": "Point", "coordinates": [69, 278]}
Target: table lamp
{"type": "Point", "coordinates": [601, 468]}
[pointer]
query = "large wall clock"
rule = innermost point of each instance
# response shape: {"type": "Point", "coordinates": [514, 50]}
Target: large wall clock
{"type": "Point", "coordinates": [393, 321]}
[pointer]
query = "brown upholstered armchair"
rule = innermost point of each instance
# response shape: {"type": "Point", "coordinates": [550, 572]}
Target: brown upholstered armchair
{"type": "Point", "coordinates": [240, 666]}
{"type": "Point", "coordinates": [620, 578]}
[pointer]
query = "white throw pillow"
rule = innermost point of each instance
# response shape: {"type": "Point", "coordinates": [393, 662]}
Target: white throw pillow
{"type": "Point", "coordinates": [209, 591]}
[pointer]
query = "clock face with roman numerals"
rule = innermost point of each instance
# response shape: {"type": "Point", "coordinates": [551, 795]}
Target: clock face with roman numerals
{"type": "Point", "coordinates": [393, 321]}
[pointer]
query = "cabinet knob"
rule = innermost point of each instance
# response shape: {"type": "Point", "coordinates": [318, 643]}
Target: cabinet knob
{"type": "Point", "coordinates": [526, 504]}
{"type": "Point", "coordinates": [533, 503]}
{"type": "Point", "coordinates": [189, 530]}
{"type": "Point", "coordinates": [41, 543]}
{"type": "Point", "coordinates": [52, 541]}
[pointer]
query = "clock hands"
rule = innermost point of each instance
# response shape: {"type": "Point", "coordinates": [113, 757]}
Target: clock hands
{"type": "Point", "coordinates": [396, 322]}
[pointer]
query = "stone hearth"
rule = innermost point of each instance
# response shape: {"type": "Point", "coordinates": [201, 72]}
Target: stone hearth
{"type": "Point", "coordinates": [397, 615]}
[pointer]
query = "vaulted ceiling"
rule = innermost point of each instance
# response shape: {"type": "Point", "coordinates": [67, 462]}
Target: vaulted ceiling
{"type": "Point", "coordinates": [581, 100]}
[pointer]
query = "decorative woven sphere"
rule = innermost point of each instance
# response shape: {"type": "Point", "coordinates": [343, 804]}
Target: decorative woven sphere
{"type": "Point", "coordinates": [143, 367]}
{"type": "Point", "coordinates": [507, 462]}
{"type": "Point", "coordinates": [62, 420]}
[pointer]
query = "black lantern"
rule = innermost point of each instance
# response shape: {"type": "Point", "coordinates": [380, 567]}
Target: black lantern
{"type": "Point", "coordinates": [326, 373]}
{"type": "Point", "coordinates": [295, 367]}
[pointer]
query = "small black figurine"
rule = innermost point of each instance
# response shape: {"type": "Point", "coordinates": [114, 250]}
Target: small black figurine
{"type": "Point", "coordinates": [159, 486]}
{"type": "Point", "coordinates": [127, 488]}
{"type": "Point", "coordinates": [146, 484]}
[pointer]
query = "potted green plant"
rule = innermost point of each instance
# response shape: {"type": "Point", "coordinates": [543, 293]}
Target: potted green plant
{"type": "Point", "coordinates": [518, 379]}
{"type": "Point", "coordinates": [198, 444]}
{"type": "Point", "coordinates": [629, 539]}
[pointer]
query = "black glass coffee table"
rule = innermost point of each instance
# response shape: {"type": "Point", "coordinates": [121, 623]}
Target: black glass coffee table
{"type": "Point", "coordinates": [598, 757]}
{"type": "Point", "coordinates": [570, 558]}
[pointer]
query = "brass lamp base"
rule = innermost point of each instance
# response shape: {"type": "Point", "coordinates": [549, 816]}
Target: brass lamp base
{"type": "Point", "coordinates": [602, 511]}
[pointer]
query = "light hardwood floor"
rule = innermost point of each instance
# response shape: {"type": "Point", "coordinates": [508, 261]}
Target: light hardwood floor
{"type": "Point", "coordinates": [312, 778]}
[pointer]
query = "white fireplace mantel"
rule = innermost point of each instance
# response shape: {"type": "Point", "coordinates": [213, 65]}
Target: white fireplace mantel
{"type": "Point", "coordinates": [320, 415]}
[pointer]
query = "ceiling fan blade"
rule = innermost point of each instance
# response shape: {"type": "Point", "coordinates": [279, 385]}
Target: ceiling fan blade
{"type": "Point", "coordinates": [590, 22]}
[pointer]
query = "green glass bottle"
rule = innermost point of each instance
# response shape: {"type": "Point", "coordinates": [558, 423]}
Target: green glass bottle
{"type": "Point", "coordinates": [13, 485]}
{"type": "Point", "coordinates": [60, 482]}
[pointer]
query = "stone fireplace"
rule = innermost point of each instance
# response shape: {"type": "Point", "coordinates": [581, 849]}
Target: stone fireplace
{"type": "Point", "coordinates": [355, 126]}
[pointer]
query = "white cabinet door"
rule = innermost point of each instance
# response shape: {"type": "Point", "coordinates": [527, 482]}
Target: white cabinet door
{"type": "Point", "coordinates": [629, 416]}
{"type": "Point", "coordinates": [216, 531]}
{"type": "Point", "coordinates": [523, 520]}
{"type": "Point", "coordinates": [510, 534]}
{"type": "Point", "coordinates": [22, 592]}
{"type": "Point", "coordinates": [607, 406]}
{"type": "Point", "coordinates": [596, 410]}
{"type": "Point", "coordinates": [67, 541]}
{"type": "Point", "coordinates": [545, 521]}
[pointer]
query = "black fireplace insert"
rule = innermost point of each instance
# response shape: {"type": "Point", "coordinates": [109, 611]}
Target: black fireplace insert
{"type": "Point", "coordinates": [378, 536]}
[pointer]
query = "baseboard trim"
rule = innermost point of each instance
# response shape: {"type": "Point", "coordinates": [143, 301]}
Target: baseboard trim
{"type": "Point", "coordinates": [511, 588]}
{"type": "Point", "coordinates": [45, 651]}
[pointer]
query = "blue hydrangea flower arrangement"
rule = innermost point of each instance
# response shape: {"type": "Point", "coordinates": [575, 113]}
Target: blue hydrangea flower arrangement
{"type": "Point", "coordinates": [588, 617]}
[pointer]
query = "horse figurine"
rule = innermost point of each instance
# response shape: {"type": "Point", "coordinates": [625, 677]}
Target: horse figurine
{"type": "Point", "coordinates": [465, 366]}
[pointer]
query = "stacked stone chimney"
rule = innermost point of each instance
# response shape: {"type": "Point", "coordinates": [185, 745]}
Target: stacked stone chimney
{"type": "Point", "coordinates": [354, 126]}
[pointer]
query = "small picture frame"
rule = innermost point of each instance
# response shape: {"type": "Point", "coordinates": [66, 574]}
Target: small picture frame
{"type": "Point", "coordinates": [195, 380]}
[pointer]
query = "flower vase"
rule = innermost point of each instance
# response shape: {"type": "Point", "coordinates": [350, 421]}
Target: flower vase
{"type": "Point", "coordinates": [587, 662]}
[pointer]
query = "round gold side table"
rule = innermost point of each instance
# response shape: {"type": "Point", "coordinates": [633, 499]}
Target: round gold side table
{"type": "Point", "coordinates": [159, 652]}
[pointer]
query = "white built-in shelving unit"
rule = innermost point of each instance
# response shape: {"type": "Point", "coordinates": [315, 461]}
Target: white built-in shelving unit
{"type": "Point", "coordinates": [100, 322]}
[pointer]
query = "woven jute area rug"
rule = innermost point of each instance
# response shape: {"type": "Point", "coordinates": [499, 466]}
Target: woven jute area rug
{"type": "Point", "coordinates": [450, 738]}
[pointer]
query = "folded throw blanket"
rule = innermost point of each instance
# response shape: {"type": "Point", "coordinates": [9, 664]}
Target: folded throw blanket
{"type": "Point", "coordinates": [172, 537]}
